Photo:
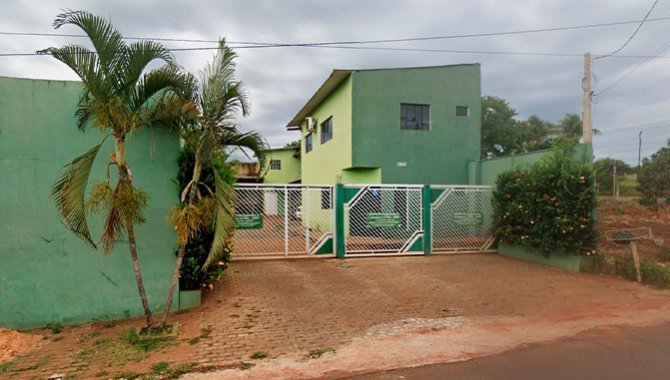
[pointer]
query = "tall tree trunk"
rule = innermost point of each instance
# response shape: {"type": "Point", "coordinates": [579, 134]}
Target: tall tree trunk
{"type": "Point", "coordinates": [138, 275]}
{"type": "Point", "coordinates": [197, 168]}
{"type": "Point", "coordinates": [124, 178]}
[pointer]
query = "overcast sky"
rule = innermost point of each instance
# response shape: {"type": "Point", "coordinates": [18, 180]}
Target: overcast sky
{"type": "Point", "coordinates": [281, 80]}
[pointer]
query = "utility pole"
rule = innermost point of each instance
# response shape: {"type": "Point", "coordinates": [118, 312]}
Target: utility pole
{"type": "Point", "coordinates": [639, 149]}
{"type": "Point", "coordinates": [587, 130]}
{"type": "Point", "coordinates": [614, 192]}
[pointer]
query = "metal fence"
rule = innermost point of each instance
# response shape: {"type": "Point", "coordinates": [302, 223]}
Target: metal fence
{"type": "Point", "coordinates": [382, 219]}
{"type": "Point", "coordinates": [360, 220]}
{"type": "Point", "coordinates": [283, 220]}
{"type": "Point", "coordinates": [461, 218]}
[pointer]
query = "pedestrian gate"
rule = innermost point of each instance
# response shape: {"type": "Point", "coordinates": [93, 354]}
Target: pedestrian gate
{"type": "Point", "coordinates": [284, 220]}
{"type": "Point", "coordinates": [360, 220]}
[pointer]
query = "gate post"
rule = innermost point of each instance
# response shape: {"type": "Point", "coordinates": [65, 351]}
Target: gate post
{"type": "Point", "coordinates": [427, 219]}
{"type": "Point", "coordinates": [339, 220]}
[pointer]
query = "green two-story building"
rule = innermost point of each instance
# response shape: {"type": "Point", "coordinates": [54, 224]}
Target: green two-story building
{"type": "Point", "coordinates": [405, 125]}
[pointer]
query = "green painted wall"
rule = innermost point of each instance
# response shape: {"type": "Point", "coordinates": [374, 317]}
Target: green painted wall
{"type": "Point", "coordinates": [324, 164]}
{"type": "Point", "coordinates": [486, 172]}
{"type": "Point", "coordinates": [48, 274]}
{"type": "Point", "coordinates": [438, 156]}
{"type": "Point", "coordinates": [290, 166]}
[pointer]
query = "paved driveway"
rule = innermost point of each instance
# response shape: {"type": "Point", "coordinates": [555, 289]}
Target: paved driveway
{"type": "Point", "coordinates": [374, 313]}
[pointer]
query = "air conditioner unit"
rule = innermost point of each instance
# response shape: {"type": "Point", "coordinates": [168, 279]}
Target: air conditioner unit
{"type": "Point", "coordinates": [311, 123]}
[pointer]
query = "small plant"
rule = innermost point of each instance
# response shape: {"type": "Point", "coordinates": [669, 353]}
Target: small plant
{"type": "Point", "coordinates": [109, 324]}
{"type": "Point", "coordinates": [315, 354]}
{"type": "Point", "coordinates": [87, 337]}
{"type": "Point", "coordinates": [159, 367]}
{"type": "Point", "coordinates": [4, 367]}
{"type": "Point", "coordinates": [618, 210]}
{"type": "Point", "coordinates": [128, 375]}
{"type": "Point", "coordinates": [183, 369]}
{"type": "Point", "coordinates": [259, 355]}
{"type": "Point", "coordinates": [146, 344]}
{"type": "Point", "coordinates": [246, 365]}
{"type": "Point", "coordinates": [664, 253]}
{"type": "Point", "coordinates": [55, 327]}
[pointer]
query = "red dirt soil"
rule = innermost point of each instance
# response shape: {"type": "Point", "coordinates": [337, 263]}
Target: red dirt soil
{"type": "Point", "coordinates": [13, 344]}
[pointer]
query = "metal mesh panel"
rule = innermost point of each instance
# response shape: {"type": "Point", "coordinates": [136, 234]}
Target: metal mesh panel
{"type": "Point", "coordinates": [383, 220]}
{"type": "Point", "coordinates": [628, 234]}
{"type": "Point", "coordinates": [462, 218]}
{"type": "Point", "coordinates": [281, 220]}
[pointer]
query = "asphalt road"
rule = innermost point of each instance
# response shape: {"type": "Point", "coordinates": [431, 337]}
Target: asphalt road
{"type": "Point", "coordinates": [615, 353]}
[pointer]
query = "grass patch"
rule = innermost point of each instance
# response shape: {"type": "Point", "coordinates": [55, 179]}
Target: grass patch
{"type": "Point", "coordinates": [55, 327]}
{"type": "Point", "coordinates": [315, 354]}
{"type": "Point", "coordinates": [145, 343]}
{"type": "Point", "coordinates": [183, 369]}
{"type": "Point", "coordinates": [86, 337]}
{"type": "Point", "coordinates": [259, 355]}
{"type": "Point", "coordinates": [204, 334]}
{"type": "Point", "coordinates": [109, 324]}
{"type": "Point", "coordinates": [159, 367]}
{"type": "Point", "coordinates": [246, 365]}
{"type": "Point", "coordinates": [128, 375]}
{"type": "Point", "coordinates": [4, 367]}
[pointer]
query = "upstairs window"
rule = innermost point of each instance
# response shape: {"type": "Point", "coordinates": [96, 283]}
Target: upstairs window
{"type": "Point", "coordinates": [462, 111]}
{"type": "Point", "coordinates": [275, 164]}
{"type": "Point", "coordinates": [308, 143]}
{"type": "Point", "coordinates": [415, 117]}
{"type": "Point", "coordinates": [327, 130]}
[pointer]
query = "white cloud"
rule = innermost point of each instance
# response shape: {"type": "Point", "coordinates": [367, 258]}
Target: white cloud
{"type": "Point", "coordinates": [282, 79]}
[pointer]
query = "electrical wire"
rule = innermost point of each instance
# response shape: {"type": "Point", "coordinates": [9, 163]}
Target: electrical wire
{"type": "Point", "coordinates": [394, 40]}
{"type": "Point", "coordinates": [632, 35]}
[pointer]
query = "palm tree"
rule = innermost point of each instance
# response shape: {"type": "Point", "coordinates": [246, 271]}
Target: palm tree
{"type": "Point", "coordinates": [571, 125]}
{"type": "Point", "coordinates": [119, 96]}
{"type": "Point", "coordinates": [219, 98]}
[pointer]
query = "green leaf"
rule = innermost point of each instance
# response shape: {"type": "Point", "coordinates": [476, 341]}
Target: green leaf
{"type": "Point", "coordinates": [224, 220]}
{"type": "Point", "coordinates": [68, 193]}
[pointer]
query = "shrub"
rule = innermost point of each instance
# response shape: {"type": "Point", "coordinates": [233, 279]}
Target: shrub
{"type": "Point", "coordinates": [192, 274]}
{"type": "Point", "coordinates": [654, 178]}
{"type": "Point", "coordinates": [548, 207]}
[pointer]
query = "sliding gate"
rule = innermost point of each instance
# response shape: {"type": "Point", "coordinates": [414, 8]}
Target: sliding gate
{"type": "Point", "coordinates": [283, 220]}
{"type": "Point", "coordinates": [383, 220]}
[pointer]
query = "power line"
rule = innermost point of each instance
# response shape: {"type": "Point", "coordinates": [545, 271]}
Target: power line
{"type": "Point", "coordinates": [535, 54]}
{"type": "Point", "coordinates": [632, 35]}
{"type": "Point", "coordinates": [360, 42]}
{"type": "Point", "coordinates": [653, 55]}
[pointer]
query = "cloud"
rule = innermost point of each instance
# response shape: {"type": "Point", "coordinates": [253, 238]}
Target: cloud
{"type": "Point", "coordinates": [281, 80]}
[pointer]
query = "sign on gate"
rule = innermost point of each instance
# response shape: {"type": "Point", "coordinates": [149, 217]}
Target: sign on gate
{"type": "Point", "coordinates": [383, 219]}
{"type": "Point", "coordinates": [249, 221]}
{"type": "Point", "coordinates": [468, 219]}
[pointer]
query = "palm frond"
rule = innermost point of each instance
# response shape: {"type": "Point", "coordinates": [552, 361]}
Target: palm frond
{"type": "Point", "coordinates": [157, 83]}
{"type": "Point", "coordinates": [140, 54]}
{"type": "Point", "coordinates": [68, 194]}
{"type": "Point", "coordinates": [253, 141]}
{"type": "Point", "coordinates": [107, 41]}
{"type": "Point", "coordinates": [85, 64]}
{"type": "Point", "coordinates": [112, 230]}
{"type": "Point", "coordinates": [221, 95]}
{"type": "Point", "coordinates": [225, 221]}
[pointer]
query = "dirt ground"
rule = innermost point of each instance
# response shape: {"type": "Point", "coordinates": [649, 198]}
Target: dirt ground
{"type": "Point", "coordinates": [628, 213]}
{"type": "Point", "coordinates": [13, 344]}
{"type": "Point", "coordinates": [317, 318]}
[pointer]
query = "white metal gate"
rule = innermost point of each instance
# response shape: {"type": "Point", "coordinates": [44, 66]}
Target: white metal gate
{"type": "Point", "coordinates": [461, 218]}
{"type": "Point", "coordinates": [383, 220]}
{"type": "Point", "coordinates": [283, 220]}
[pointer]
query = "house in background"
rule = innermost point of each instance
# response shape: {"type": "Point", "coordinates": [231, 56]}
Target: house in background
{"type": "Point", "coordinates": [406, 125]}
{"type": "Point", "coordinates": [282, 165]}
